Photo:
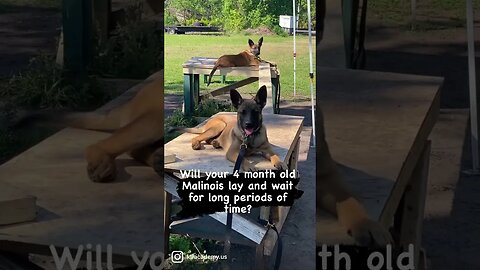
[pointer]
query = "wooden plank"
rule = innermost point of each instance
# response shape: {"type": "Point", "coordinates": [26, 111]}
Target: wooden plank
{"type": "Point", "coordinates": [374, 123]}
{"type": "Point", "coordinates": [248, 232]}
{"type": "Point", "coordinates": [16, 206]}
{"type": "Point", "coordinates": [265, 78]}
{"type": "Point", "coordinates": [411, 161]}
{"type": "Point", "coordinates": [204, 65]}
{"type": "Point", "coordinates": [235, 85]}
{"type": "Point", "coordinates": [282, 212]}
{"type": "Point", "coordinates": [233, 71]}
{"type": "Point", "coordinates": [282, 130]}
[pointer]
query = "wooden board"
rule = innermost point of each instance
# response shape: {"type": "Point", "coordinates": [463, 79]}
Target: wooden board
{"type": "Point", "coordinates": [15, 205]}
{"type": "Point", "coordinates": [265, 78]}
{"type": "Point", "coordinates": [282, 130]}
{"type": "Point", "coordinates": [376, 124]}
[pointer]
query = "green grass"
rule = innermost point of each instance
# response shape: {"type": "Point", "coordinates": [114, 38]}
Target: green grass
{"type": "Point", "coordinates": [180, 48]}
{"type": "Point", "coordinates": [431, 14]}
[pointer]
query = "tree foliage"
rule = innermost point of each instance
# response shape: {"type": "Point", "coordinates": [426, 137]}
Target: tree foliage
{"type": "Point", "coordinates": [234, 15]}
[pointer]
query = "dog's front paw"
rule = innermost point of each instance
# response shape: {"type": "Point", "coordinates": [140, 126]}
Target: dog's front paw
{"type": "Point", "coordinates": [280, 165]}
{"type": "Point", "coordinates": [100, 166]}
{"type": "Point", "coordinates": [370, 233]}
{"type": "Point", "coordinates": [196, 144]}
{"type": "Point", "coordinates": [247, 167]}
{"type": "Point", "coordinates": [216, 144]}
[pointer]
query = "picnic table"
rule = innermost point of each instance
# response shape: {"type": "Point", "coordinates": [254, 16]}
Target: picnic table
{"type": "Point", "coordinates": [74, 211]}
{"type": "Point", "coordinates": [267, 74]}
{"type": "Point", "coordinates": [283, 133]}
{"type": "Point", "coordinates": [377, 126]}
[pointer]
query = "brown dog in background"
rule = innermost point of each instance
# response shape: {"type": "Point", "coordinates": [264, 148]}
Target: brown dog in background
{"type": "Point", "coordinates": [246, 58]}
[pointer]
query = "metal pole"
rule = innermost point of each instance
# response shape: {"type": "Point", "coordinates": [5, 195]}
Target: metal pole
{"type": "Point", "coordinates": [294, 52]}
{"type": "Point", "coordinates": [311, 69]}
{"type": "Point", "coordinates": [472, 86]}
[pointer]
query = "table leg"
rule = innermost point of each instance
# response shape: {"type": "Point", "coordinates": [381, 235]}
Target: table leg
{"type": "Point", "coordinates": [259, 257]}
{"type": "Point", "coordinates": [196, 89]}
{"type": "Point", "coordinates": [191, 92]}
{"type": "Point", "coordinates": [188, 94]}
{"type": "Point", "coordinates": [166, 222]}
{"type": "Point", "coordinates": [409, 219]}
{"type": "Point", "coordinates": [276, 94]}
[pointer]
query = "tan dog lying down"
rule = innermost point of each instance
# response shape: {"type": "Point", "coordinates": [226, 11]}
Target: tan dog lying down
{"type": "Point", "coordinates": [136, 127]}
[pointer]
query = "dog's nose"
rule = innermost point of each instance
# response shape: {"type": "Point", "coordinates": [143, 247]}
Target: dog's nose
{"type": "Point", "coordinates": [249, 125]}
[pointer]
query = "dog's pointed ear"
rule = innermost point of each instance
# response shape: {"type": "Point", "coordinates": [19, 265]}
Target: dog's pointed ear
{"type": "Point", "coordinates": [250, 42]}
{"type": "Point", "coordinates": [261, 96]}
{"type": "Point", "coordinates": [260, 41]}
{"type": "Point", "coordinates": [236, 98]}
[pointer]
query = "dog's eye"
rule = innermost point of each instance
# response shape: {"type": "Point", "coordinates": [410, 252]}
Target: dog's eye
{"type": "Point", "coordinates": [243, 111]}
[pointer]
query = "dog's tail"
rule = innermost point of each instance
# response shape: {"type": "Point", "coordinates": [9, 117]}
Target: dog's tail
{"type": "Point", "coordinates": [199, 130]}
{"type": "Point", "coordinates": [109, 121]}
{"type": "Point", "coordinates": [215, 67]}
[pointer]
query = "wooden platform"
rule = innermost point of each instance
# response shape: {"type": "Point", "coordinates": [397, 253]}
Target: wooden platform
{"type": "Point", "coordinates": [204, 65]}
{"type": "Point", "coordinates": [377, 126]}
{"type": "Point", "coordinates": [73, 211]}
{"type": "Point", "coordinates": [266, 73]}
{"type": "Point", "coordinates": [283, 132]}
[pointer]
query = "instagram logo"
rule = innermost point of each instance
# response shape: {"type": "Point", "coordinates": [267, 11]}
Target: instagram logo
{"type": "Point", "coordinates": [177, 256]}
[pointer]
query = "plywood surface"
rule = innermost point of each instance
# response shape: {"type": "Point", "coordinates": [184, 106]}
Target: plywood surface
{"type": "Point", "coordinates": [375, 125]}
{"type": "Point", "coordinates": [281, 131]}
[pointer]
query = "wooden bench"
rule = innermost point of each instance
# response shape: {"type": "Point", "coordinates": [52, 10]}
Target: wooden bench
{"type": "Point", "coordinates": [266, 74]}
{"type": "Point", "coordinates": [284, 134]}
{"type": "Point", "coordinates": [73, 210]}
{"type": "Point", "coordinates": [377, 127]}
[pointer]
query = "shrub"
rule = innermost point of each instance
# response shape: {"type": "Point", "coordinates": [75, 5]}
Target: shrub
{"type": "Point", "coordinates": [45, 85]}
{"type": "Point", "coordinates": [134, 51]}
